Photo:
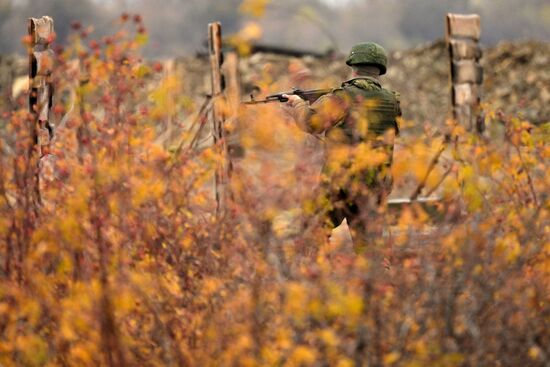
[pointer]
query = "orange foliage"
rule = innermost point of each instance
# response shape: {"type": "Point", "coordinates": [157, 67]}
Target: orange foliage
{"type": "Point", "coordinates": [125, 263]}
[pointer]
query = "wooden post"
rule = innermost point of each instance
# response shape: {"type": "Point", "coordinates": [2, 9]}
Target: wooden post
{"type": "Point", "coordinates": [41, 59]}
{"type": "Point", "coordinates": [41, 35]}
{"type": "Point", "coordinates": [462, 38]}
{"type": "Point", "coordinates": [218, 115]}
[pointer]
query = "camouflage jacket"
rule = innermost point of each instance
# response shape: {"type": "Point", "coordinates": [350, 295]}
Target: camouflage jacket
{"type": "Point", "coordinates": [359, 111]}
{"type": "Point", "coordinates": [360, 121]}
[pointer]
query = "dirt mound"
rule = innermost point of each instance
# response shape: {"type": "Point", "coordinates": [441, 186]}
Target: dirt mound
{"type": "Point", "coordinates": [421, 76]}
{"type": "Point", "coordinates": [516, 81]}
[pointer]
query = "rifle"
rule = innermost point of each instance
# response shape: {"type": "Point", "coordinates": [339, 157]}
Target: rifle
{"type": "Point", "coordinates": [308, 95]}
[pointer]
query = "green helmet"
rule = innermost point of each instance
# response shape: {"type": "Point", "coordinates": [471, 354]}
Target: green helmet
{"type": "Point", "coordinates": [368, 53]}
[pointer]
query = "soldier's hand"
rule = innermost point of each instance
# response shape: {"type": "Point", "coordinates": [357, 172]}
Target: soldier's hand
{"type": "Point", "coordinates": [293, 100]}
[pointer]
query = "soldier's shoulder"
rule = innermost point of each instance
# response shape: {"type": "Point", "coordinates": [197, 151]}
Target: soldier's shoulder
{"type": "Point", "coordinates": [361, 84]}
{"type": "Point", "coordinates": [394, 93]}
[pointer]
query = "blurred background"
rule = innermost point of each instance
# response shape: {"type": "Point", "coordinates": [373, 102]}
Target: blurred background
{"type": "Point", "coordinates": [178, 27]}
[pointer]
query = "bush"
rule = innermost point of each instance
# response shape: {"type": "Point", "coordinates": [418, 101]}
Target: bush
{"type": "Point", "coordinates": [121, 259]}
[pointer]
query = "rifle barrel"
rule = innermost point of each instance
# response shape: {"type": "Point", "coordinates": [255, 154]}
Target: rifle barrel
{"type": "Point", "coordinates": [260, 101]}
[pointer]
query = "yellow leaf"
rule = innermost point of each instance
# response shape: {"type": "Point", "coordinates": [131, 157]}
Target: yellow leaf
{"type": "Point", "coordinates": [344, 362]}
{"type": "Point", "coordinates": [34, 350]}
{"type": "Point", "coordinates": [302, 356]}
{"type": "Point", "coordinates": [80, 354]}
{"type": "Point", "coordinates": [142, 39]}
{"type": "Point", "coordinates": [255, 8]}
{"type": "Point", "coordinates": [534, 352]}
{"type": "Point", "coordinates": [251, 31]}
{"type": "Point", "coordinates": [508, 247]}
{"type": "Point", "coordinates": [329, 338]}
{"type": "Point", "coordinates": [391, 358]}
{"type": "Point", "coordinates": [296, 299]}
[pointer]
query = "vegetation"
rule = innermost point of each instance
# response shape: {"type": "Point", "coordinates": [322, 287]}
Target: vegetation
{"type": "Point", "coordinates": [123, 261]}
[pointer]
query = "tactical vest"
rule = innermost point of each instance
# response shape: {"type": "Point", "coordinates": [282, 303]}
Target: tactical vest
{"type": "Point", "coordinates": [373, 111]}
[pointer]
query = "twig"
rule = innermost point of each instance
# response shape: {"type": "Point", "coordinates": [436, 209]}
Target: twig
{"type": "Point", "coordinates": [440, 181]}
{"type": "Point", "coordinates": [205, 108]}
{"type": "Point", "coordinates": [529, 179]}
{"type": "Point", "coordinates": [432, 165]}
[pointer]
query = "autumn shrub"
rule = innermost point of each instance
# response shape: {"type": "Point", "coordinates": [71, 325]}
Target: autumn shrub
{"type": "Point", "coordinates": [121, 259]}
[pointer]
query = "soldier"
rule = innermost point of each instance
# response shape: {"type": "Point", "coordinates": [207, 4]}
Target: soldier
{"type": "Point", "coordinates": [359, 122]}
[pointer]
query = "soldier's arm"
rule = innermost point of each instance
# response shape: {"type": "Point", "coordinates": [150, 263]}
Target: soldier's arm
{"type": "Point", "coordinates": [323, 114]}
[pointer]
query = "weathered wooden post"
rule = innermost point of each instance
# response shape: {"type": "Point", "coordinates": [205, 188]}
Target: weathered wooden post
{"type": "Point", "coordinates": [41, 35]}
{"type": "Point", "coordinates": [462, 37]}
{"type": "Point", "coordinates": [41, 32]}
{"type": "Point", "coordinates": [218, 115]}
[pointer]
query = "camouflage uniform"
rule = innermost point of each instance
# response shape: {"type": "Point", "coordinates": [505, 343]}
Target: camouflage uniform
{"type": "Point", "coordinates": [359, 119]}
